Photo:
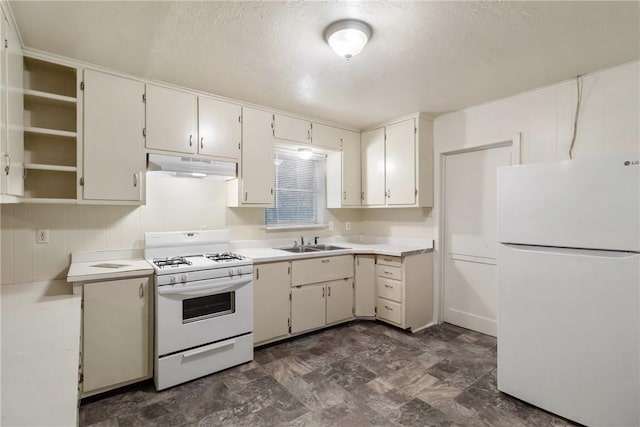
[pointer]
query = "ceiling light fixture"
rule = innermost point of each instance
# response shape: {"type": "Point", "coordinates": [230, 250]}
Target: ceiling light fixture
{"type": "Point", "coordinates": [348, 37]}
{"type": "Point", "coordinates": [305, 153]}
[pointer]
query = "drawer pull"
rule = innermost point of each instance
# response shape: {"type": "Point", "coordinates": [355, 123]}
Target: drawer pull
{"type": "Point", "coordinates": [387, 259]}
{"type": "Point", "coordinates": [388, 272]}
{"type": "Point", "coordinates": [388, 308]}
{"type": "Point", "coordinates": [324, 261]}
{"type": "Point", "coordinates": [388, 286]}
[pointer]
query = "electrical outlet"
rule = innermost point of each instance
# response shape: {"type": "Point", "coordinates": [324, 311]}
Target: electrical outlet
{"type": "Point", "coordinates": [347, 225]}
{"type": "Point", "coordinates": [42, 235]}
{"type": "Point", "coordinates": [331, 226]}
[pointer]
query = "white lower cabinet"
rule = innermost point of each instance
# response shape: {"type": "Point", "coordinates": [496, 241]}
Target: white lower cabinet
{"type": "Point", "coordinates": [271, 289]}
{"type": "Point", "coordinates": [404, 290]}
{"type": "Point", "coordinates": [116, 333]}
{"type": "Point", "coordinates": [314, 306]}
{"type": "Point", "coordinates": [365, 289]}
{"type": "Point", "coordinates": [307, 308]}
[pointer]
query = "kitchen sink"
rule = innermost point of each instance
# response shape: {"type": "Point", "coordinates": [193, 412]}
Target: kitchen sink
{"type": "Point", "coordinates": [328, 247]}
{"type": "Point", "coordinates": [300, 249]}
{"type": "Point", "coordinates": [313, 248]}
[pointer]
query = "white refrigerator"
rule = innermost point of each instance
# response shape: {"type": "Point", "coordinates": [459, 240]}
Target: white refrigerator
{"type": "Point", "coordinates": [569, 288]}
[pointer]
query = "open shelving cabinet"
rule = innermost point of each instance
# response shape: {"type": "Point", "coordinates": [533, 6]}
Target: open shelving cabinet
{"type": "Point", "coordinates": [50, 132]}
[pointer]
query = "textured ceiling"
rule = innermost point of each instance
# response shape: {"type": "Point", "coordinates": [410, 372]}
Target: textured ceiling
{"type": "Point", "coordinates": [423, 56]}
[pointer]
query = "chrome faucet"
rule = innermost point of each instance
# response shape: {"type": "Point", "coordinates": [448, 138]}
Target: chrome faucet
{"type": "Point", "coordinates": [301, 240]}
{"type": "Point", "coordinates": [315, 240]}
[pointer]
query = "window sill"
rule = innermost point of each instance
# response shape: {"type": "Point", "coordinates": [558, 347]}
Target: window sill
{"type": "Point", "coordinates": [295, 227]}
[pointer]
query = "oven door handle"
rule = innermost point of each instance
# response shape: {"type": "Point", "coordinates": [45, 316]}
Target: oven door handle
{"type": "Point", "coordinates": [227, 286]}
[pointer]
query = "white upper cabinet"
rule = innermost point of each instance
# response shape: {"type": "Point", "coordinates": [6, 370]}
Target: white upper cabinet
{"type": "Point", "coordinates": [373, 166]}
{"type": "Point", "coordinates": [326, 136]}
{"type": "Point", "coordinates": [219, 128]}
{"type": "Point", "coordinates": [351, 174]}
{"type": "Point", "coordinates": [114, 161]}
{"type": "Point", "coordinates": [400, 163]}
{"type": "Point", "coordinates": [254, 187]}
{"type": "Point", "coordinates": [397, 164]}
{"type": "Point", "coordinates": [12, 138]}
{"type": "Point", "coordinates": [172, 120]}
{"type": "Point", "coordinates": [291, 129]}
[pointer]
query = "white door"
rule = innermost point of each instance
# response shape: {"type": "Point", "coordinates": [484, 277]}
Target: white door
{"type": "Point", "coordinates": [113, 140]}
{"type": "Point", "coordinates": [470, 239]}
{"type": "Point", "coordinates": [219, 128]}
{"type": "Point", "coordinates": [372, 155]}
{"type": "Point", "coordinates": [400, 163]}
{"type": "Point", "coordinates": [257, 157]}
{"type": "Point", "coordinates": [171, 120]}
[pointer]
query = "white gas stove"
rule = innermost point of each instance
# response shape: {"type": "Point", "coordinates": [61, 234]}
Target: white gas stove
{"type": "Point", "coordinates": [204, 305]}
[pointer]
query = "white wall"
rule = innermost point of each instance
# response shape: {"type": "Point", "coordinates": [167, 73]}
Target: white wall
{"type": "Point", "coordinates": [173, 204]}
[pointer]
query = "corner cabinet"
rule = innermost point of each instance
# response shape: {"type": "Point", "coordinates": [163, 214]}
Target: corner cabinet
{"type": "Point", "coordinates": [397, 164]}
{"type": "Point", "coordinates": [254, 186]}
{"type": "Point", "coordinates": [404, 289]}
{"type": "Point", "coordinates": [113, 145]}
{"type": "Point", "coordinates": [116, 333]}
{"type": "Point", "coordinates": [52, 125]}
{"type": "Point", "coordinates": [271, 289]}
{"type": "Point", "coordinates": [11, 107]}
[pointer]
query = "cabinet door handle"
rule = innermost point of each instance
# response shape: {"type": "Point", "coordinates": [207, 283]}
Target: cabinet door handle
{"type": "Point", "coordinates": [323, 292]}
{"type": "Point", "coordinates": [135, 179]}
{"type": "Point", "coordinates": [202, 142]}
{"type": "Point", "coordinates": [324, 261]}
{"type": "Point", "coordinates": [246, 193]}
{"type": "Point", "coordinates": [309, 135]}
{"type": "Point", "coordinates": [141, 290]}
{"type": "Point", "coordinates": [7, 168]}
{"type": "Point", "coordinates": [328, 291]}
{"type": "Point", "coordinates": [257, 274]}
{"type": "Point", "coordinates": [190, 140]}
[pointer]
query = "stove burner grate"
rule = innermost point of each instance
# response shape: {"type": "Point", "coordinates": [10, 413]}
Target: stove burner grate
{"type": "Point", "coordinates": [224, 257]}
{"type": "Point", "coordinates": [175, 261]}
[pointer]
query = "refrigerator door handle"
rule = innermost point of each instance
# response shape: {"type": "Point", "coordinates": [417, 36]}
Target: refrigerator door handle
{"type": "Point", "coordinates": [572, 251]}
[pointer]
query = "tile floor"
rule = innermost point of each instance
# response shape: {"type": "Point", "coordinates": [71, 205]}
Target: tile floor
{"type": "Point", "coordinates": [359, 374]}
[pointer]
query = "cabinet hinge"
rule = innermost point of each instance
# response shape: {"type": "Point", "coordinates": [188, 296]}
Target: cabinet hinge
{"type": "Point", "coordinates": [144, 98]}
{"type": "Point", "coordinates": [6, 43]}
{"type": "Point", "coordinates": [272, 191]}
{"type": "Point", "coordinates": [144, 132]}
{"type": "Point", "coordinates": [385, 137]}
{"type": "Point", "coordinates": [290, 299]}
{"type": "Point", "coordinates": [415, 131]}
{"type": "Point", "coordinates": [81, 378]}
{"type": "Point", "coordinates": [239, 119]}
{"type": "Point", "coordinates": [238, 145]}
{"type": "Point", "coordinates": [82, 180]}
{"type": "Point", "coordinates": [289, 324]}
{"type": "Point", "coordinates": [81, 85]}
{"type": "Point", "coordinates": [289, 270]}
{"type": "Point", "coordinates": [375, 310]}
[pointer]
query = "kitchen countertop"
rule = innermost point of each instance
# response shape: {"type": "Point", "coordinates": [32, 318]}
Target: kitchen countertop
{"type": "Point", "coordinates": [260, 255]}
{"type": "Point", "coordinates": [104, 265]}
{"type": "Point", "coordinates": [40, 354]}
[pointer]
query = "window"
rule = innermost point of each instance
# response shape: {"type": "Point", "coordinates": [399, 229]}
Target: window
{"type": "Point", "coordinates": [299, 191]}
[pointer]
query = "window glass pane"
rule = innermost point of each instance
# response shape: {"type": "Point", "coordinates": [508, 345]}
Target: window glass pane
{"type": "Point", "coordinates": [299, 190]}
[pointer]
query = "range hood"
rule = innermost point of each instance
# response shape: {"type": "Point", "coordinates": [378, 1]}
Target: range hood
{"type": "Point", "coordinates": [191, 167]}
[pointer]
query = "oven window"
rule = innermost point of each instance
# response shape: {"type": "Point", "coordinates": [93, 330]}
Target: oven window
{"type": "Point", "coordinates": [199, 308]}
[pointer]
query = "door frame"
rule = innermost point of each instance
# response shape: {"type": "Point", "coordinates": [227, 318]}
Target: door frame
{"type": "Point", "coordinates": [513, 140]}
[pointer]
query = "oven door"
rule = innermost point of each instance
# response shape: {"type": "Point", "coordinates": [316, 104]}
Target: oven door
{"type": "Point", "coordinates": [201, 312]}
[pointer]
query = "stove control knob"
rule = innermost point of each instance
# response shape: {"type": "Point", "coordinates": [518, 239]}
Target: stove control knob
{"type": "Point", "coordinates": [184, 277]}
{"type": "Point", "coordinates": [172, 279]}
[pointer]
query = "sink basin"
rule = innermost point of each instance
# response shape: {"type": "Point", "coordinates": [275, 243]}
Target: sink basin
{"type": "Point", "coordinates": [300, 249]}
{"type": "Point", "coordinates": [328, 247]}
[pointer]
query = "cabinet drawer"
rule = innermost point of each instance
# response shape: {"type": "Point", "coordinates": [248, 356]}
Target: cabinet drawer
{"type": "Point", "coordinates": [389, 288]}
{"type": "Point", "coordinates": [393, 261]}
{"type": "Point", "coordinates": [389, 310]}
{"type": "Point", "coordinates": [389, 272]}
{"type": "Point", "coordinates": [317, 270]}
